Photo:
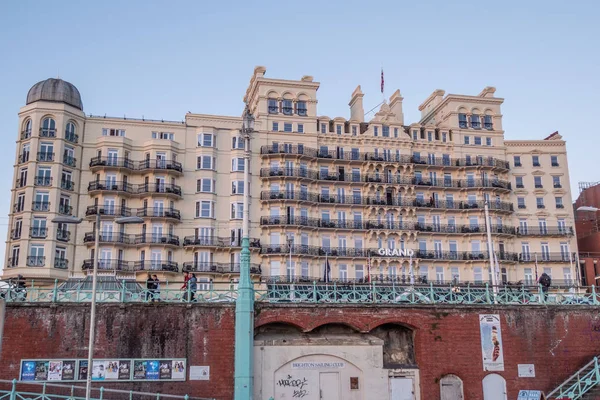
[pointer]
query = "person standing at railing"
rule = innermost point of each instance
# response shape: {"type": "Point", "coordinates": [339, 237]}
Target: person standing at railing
{"type": "Point", "coordinates": [545, 281]}
{"type": "Point", "coordinates": [186, 279]}
{"type": "Point", "coordinates": [193, 286]}
{"type": "Point", "coordinates": [150, 288]}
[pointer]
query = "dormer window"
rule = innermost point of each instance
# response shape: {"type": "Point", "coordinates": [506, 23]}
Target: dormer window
{"type": "Point", "coordinates": [415, 135]}
{"type": "Point", "coordinates": [475, 121]}
{"type": "Point", "coordinates": [302, 108]}
{"type": "Point", "coordinates": [395, 132]}
{"type": "Point", "coordinates": [323, 128]}
{"type": "Point", "coordinates": [354, 130]}
{"type": "Point", "coordinates": [338, 129]}
{"type": "Point", "coordinates": [487, 122]}
{"type": "Point", "coordinates": [288, 108]}
{"type": "Point", "coordinates": [273, 108]}
{"type": "Point", "coordinates": [462, 120]}
{"type": "Point", "coordinates": [375, 131]}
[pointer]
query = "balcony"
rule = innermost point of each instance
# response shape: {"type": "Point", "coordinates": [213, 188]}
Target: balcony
{"type": "Point", "coordinates": [159, 212]}
{"type": "Point", "coordinates": [210, 241]}
{"type": "Point", "coordinates": [21, 182]}
{"type": "Point", "coordinates": [316, 251]}
{"type": "Point", "coordinates": [25, 134]}
{"type": "Point", "coordinates": [520, 186]}
{"type": "Point", "coordinates": [218, 268]}
{"type": "Point", "coordinates": [15, 234]}
{"type": "Point", "coordinates": [67, 185]}
{"type": "Point", "coordinates": [537, 164]}
{"type": "Point", "coordinates": [36, 261]}
{"type": "Point", "coordinates": [557, 186]}
{"type": "Point", "coordinates": [560, 206]}
{"type": "Point", "coordinates": [539, 186]}
{"type": "Point", "coordinates": [115, 186]}
{"type": "Point", "coordinates": [42, 181]}
{"type": "Point", "coordinates": [12, 262]}
{"type": "Point", "coordinates": [23, 157]}
{"type": "Point", "coordinates": [71, 137]}
{"type": "Point", "coordinates": [65, 209]}
{"type": "Point", "coordinates": [162, 188]}
{"type": "Point", "coordinates": [545, 257]}
{"type": "Point", "coordinates": [61, 263]}
{"type": "Point", "coordinates": [157, 238]}
{"type": "Point", "coordinates": [70, 161]}
{"type": "Point", "coordinates": [63, 235]}
{"type": "Point", "coordinates": [312, 222]}
{"type": "Point", "coordinates": [541, 206]}
{"type": "Point", "coordinates": [110, 210]}
{"type": "Point", "coordinates": [518, 164]}
{"type": "Point", "coordinates": [555, 164]}
{"type": "Point", "coordinates": [18, 207]}
{"type": "Point", "coordinates": [112, 237]}
{"type": "Point", "coordinates": [167, 165]}
{"type": "Point", "coordinates": [522, 206]}
{"type": "Point", "coordinates": [156, 265]}
{"type": "Point", "coordinates": [47, 133]}
{"type": "Point", "coordinates": [45, 156]}
{"type": "Point", "coordinates": [111, 162]}
{"type": "Point", "coordinates": [465, 229]}
{"type": "Point", "coordinates": [545, 231]}
{"type": "Point", "coordinates": [40, 206]}
{"type": "Point", "coordinates": [107, 265]}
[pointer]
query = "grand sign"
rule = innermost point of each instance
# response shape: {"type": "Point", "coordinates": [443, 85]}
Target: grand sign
{"type": "Point", "coordinates": [396, 252]}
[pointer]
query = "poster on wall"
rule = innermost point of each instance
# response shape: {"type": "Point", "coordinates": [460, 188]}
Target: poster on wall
{"type": "Point", "coordinates": [83, 370]}
{"type": "Point", "coordinates": [99, 370]}
{"type": "Point", "coordinates": [491, 342]}
{"type": "Point", "coordinates": [178, 370]}
{"type": "Point", "coordinates": [51, 370]}
{"type": "Point", "coordinates": [124, 370]}
{"type": "Point", "coordinates": [152, 367]}
{"type": "Point", "coordinates": [55, 371]}
{"type": "Point", "coordinates": [166, 369]}
{"type": "Point", "coordinates": [68, 370]}
{"type": "Point", "coordinates": [139, 370]}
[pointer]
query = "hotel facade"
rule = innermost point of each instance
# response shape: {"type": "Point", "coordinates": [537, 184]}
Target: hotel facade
{"type": "Point", "coordinates": [337, 199]}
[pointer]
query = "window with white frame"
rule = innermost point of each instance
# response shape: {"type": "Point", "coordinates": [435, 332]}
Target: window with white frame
{"type": "Point", "coordinates": [237, 142]}
{"type": "Point", "coordinates": [359, 271]}
{"type": "Point", "coordinates": [206, 162]}
{"type": "Point", "coordinates": [206, 140]}
{"type": "Point", "coordinates": [205, 185]}
{"type": "Point", "coordinates": [238, 164]}
{"type": "Point", "coordinates": [205, 209]}
{"type": "Point", "coordinates": [113, 132]}
{"type": "Point", "coordinates": [287, 127]}
{"type": "Point", "coordinates": [237, 210]}
{"type": "Point", "coordinates": [163, 135]}
{"type": "Point", "coordinates": [300, 128]}
{"type": "Point", "coordinates": [237, 187]}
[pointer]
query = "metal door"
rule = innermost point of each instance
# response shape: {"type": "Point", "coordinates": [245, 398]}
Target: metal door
{"type": "Point", "coordinates": [329, 386]}
{"type": "Point", "coordinates": [401, 389]}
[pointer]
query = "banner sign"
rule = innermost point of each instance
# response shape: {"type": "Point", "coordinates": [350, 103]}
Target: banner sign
{"type": "Point", "coordinates": [491, 342]}
{"type": "Point", "coordinates": [104, 370]}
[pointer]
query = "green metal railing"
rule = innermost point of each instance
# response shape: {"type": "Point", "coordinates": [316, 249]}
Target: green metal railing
{"type": "Point", "coordinates": [579, 383]}
{"type": "Point", "coordinates": [25, 390]}
{"type": "Point", "coordinates": [315, 292]}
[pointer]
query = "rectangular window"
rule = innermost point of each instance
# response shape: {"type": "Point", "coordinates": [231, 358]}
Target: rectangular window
{"type": "Point", "coordinates": [205, 209]}
{"type": "Point", "coordinates": [535, 160]}
{"type": "Point", "coordinates": [462, 120]}
{"type": "Point", "coordinates": [163, 135]}
{"type": "Point", "coordinates": [540, 202]}
{"type": "Point", "coordinates": [287, 127]}
{"type": "Point", "coordinates": [556, 182]}
{"type": "Point", "coordinates": [205, 185]}
{"type": "Point", "coordinates": [238, 164]}
{"type": "Point", "coordinates": [429, 136]}
{"type": "Point", "coordinates": [237, 187]}
{"type": "Point", "coordinates": [237, 210]}
{"type": "Point", "coordinates": [519, 182]}
{"type": "Point", "coordinates": [415, 135]}
{"type": "Point", "coordinates": [517, 161]}
{"type": "Point", "coordinates": [237, 142]}
{"type": "Point", "coordinates": [554, 161]}
{"type": "Point", "coordinates": [375, 131]}
{"type": "Point", "coordinates": [467, 140]}
{"type": "Point", "coordinates": [559, 202]}
{"type": "Point", "coordinates": [300, 128]}
{"type": "Point", "coordinates": [206, 162]}
{"type": "Point", "coordinates": [395, 132]}
{"type": "Point", "coordinates": [287, 107]}
{"type": "Point", "coordinates": [205, 140]}
{"type": "Point", "coordinates": [487, 122]}
{"type": "Point", "coordinates": [275, 126]}
{"type": "Point", "coordinates": [385, 131]}
{"type": "Point", "coordinates": [273, 107]}
{"type": "Point", "coordinates": [478, 140]}
{"type": "Point", "coordinates": [338, 129]}
{"type": "Point", "coordinates": [113, 132]}
{"type": "Point", "coordinates": [323, 128]}
{"type": "Point", "coordinates": [488, 141]}
{"type": "Point", "coordinates": [301, 106]}
{"type": "Point", "coordinates": [537, 180]}
{"type": "Point", "coordinates": [521, 202]}
{"type": "Point", "coordinates": [354, 130]}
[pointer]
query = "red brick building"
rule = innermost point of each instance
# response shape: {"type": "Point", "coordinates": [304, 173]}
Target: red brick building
{"type": "Point", "coordinates": [587, 225]}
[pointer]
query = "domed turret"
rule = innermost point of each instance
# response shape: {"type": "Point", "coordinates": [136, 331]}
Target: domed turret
{"type": "Point", "coordinates": [55, 90]}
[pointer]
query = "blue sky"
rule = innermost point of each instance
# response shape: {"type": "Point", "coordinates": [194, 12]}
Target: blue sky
{"type": "Point", "coordinates": [162, 59]}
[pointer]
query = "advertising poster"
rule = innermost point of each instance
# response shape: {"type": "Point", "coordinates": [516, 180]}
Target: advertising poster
{"type": "Point", "coordinates": [125, 370]}
{"type": "Point", "coordinates": [152, 367]}
{"type": "Point", "coordinates": [491, 342]}
{"type": "Point", "coordinates": [165, 370]}
{"type": "Point", "coordinates": [139, 370]}
{"type": "Point", "coordinates": [178, 370]}
{"type": "Point", "coordinates": [28, 370]}
{"type": "Point", "coordinates": [68, 370]}
{"type": "Point", "coordinates": [83, 370]}
{"type": "Point", "coordinates": [199, 373]}
{"type": "Point", "coordinates": [112, 370]}
{"type": "Point", "coordinates": [55, 371]}
{"type": "Point", "coordinates": [99, 370]}
{"type": "Point", "coordinates": [41, 370]}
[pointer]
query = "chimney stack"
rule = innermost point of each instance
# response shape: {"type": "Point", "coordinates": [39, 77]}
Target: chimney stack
{"type": "Point", "coordinates": [357, 112]}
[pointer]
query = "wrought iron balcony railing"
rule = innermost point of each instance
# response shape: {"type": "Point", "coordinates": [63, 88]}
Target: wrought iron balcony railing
{"type": "Point", "coordinates": [155, 238]}
{"type": "Point", "coordinates": [70, 161]}
{"type": "Point", "coordinates": [160, 164]}
{"type": "Point", "coordinates": [218, 268]}
{"type": "Point", "coordinates": [26, 134]}
{"type": "Point", "coordinates": [49, 133]}
{"type": "Point", "coordinates": [545, 231]}
{"type": "Point", "coordinates": [109, 211]}
{"type": "Point", "coordinates": [71, 137]}
{"type": "Point", "coordinates": [108, 265]}
{"type": "Point", "coordinates": [168, 188]}
{"type": "Point", "coordinates": [115, 186]}
{"type": "Point", "coordinates": [61, 263]}
{"type": "Point", "coordinates": [117, 162]}
{"type": "Point", "coordinates": [15, 234]}
{"type": "Point", "coordinates": [545, 257]}
{"type": "Point", "coordinates": [36, 261]}
{"type": "Point", "coordinates": [45, 156]}
{"type": "Point", "coordinates": [121, 162]}
{"type": "Point", "coordinates": [23, 157]}
{"type": "Point", "coordinates": [21, 182]}
{"type": "Point", "coordinates": [40, 206]}
{"type": "Point", "coordinates": [156, 265]}
{"type": "Point", "coordinates": [211, 241]}
{"type": "Point", "coordinates": [112, 237]}
{"type": "Point", "coordinates": [63, 235]}
{"type": "Point", "coordinates": [67, 185]}
{"type": "Point", "coordinates": [159, 212]}
{"type": "Point", "coordinates": [42, 181]}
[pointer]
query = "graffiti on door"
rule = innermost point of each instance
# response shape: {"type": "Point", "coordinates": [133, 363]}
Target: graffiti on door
{"type": "Point", "coordinates": [297, 385]}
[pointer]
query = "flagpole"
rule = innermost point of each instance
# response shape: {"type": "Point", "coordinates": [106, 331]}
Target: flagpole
{"type": "Point", "coordinates": [382, 86]}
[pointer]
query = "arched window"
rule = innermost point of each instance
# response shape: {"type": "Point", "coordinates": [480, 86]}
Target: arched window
{"type": "Point", "coordinates": [26, 130]}
{"type": "Point", "coordinates": [48, 128]}
{"type": "Point", "coordinates": [70, 133]}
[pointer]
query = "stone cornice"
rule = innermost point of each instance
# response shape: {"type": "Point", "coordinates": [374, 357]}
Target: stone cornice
{"type": "Point", "coordinates": [542, 143]}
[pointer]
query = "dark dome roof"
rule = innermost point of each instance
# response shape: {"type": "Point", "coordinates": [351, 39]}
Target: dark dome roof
{"type": "Point", "coordinates": [55, 90]}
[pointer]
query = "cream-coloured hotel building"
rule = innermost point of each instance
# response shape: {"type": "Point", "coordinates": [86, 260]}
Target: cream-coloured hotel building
{"type": "Point", "coordinates": [341, 191]}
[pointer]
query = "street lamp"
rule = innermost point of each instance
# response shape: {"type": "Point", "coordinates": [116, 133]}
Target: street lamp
{"type": "Point", "coordinates": [74, 220]}
{"type": "Point", "coordinates": [244, 305]}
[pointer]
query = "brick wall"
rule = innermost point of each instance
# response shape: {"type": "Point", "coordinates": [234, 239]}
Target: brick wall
{"type": "Point", "coordinates": [557, 340]}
